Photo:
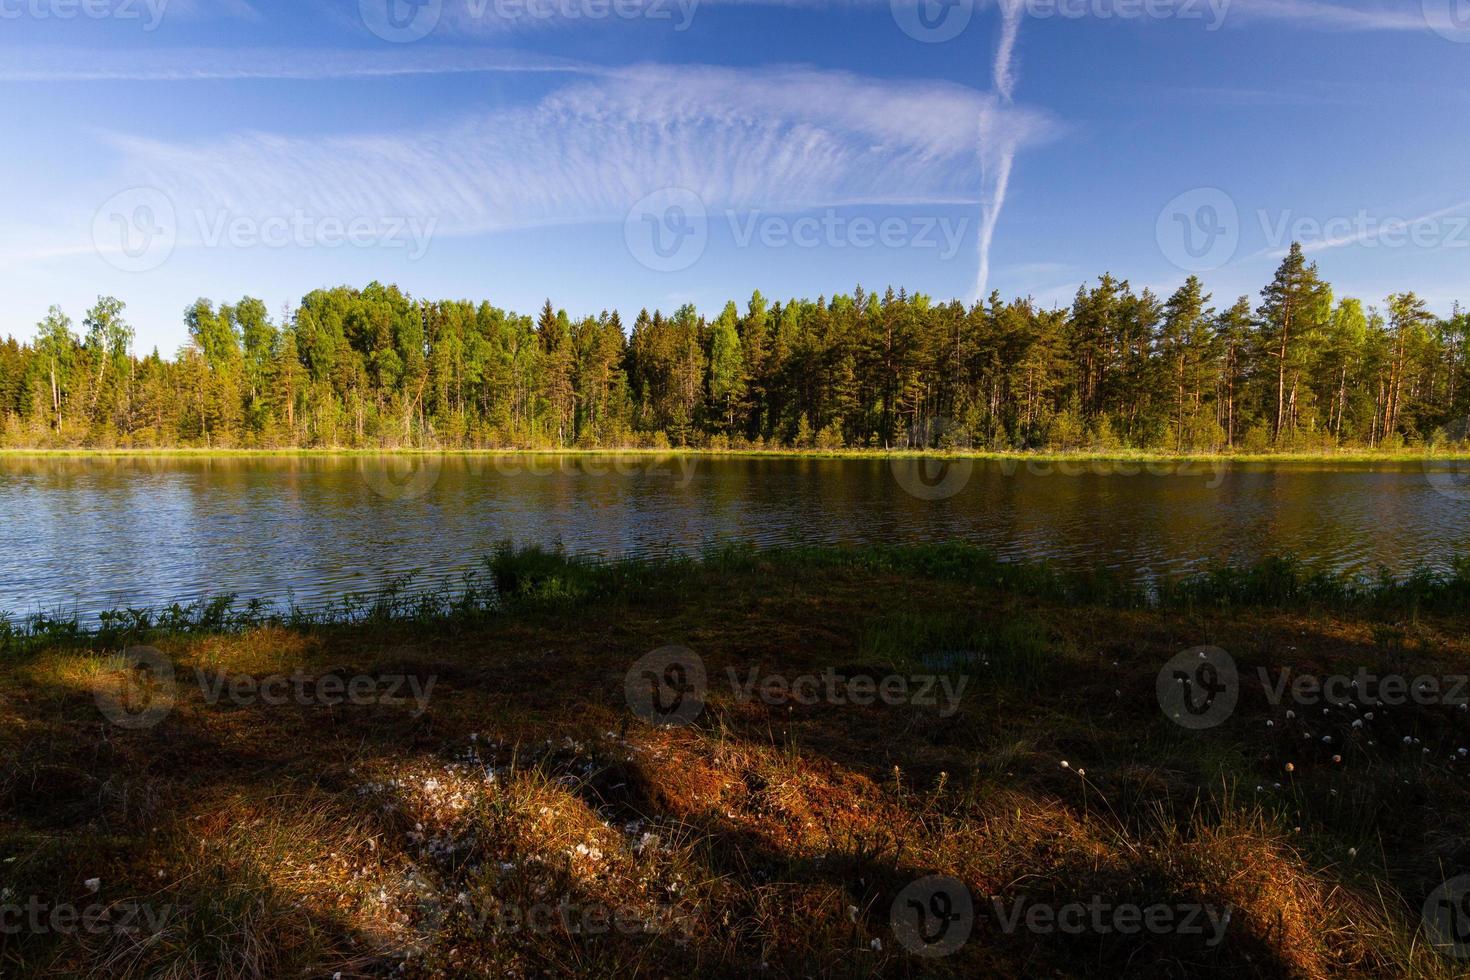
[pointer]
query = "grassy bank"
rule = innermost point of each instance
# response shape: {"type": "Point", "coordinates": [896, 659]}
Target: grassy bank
{"type": "Point", "coordinates": [1042, 456]}
{"type": "Point", "coordinates": [502, 802]}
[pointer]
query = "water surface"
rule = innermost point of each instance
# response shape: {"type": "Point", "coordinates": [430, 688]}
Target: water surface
{"type": "Point", "coordinates": [85, 534]}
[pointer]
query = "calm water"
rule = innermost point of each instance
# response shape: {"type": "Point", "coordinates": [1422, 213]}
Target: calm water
{"type": "Point", "coordinates": [89, 534]}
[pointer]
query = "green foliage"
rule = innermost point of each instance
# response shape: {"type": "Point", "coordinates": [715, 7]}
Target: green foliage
{"type": "Point", "coordinates": [1017, 650]}
{"type": "Point", "coordinates": [830, 438]}
{"type": "Point", "coordinates": [375, 368]}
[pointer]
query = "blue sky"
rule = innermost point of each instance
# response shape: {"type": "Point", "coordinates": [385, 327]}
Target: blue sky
{"type": "Point", "coordinates": [673, 151]}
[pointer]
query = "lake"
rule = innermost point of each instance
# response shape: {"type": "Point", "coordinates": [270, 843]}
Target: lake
{"type": "Point", "coordinates": [86, 534]}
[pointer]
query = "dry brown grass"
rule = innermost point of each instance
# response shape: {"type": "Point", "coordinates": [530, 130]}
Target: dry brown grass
{"type": "Point", "coordinates": [491, 834]}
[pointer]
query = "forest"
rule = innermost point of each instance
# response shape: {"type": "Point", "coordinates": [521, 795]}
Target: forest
{"type": "Point", "coordinates": [1294, 369]}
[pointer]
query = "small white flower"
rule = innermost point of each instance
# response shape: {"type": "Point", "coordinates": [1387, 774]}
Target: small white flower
{"type": "Point", "coordinates": [1352, 852]}
{"type": "Point", "coordinates": [93, 884]}
{"type": "Point", "coordinates": [876, 945]}
{"type": "Point", "coordinates": [1066, 764]}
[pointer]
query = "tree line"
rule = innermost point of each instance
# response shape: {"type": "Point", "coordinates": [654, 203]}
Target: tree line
{"type": "Point", "coordinates": [1293, 369]}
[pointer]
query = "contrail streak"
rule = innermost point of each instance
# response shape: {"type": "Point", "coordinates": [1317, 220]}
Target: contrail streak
{"type": "Point", "coordinates": [995, 175]}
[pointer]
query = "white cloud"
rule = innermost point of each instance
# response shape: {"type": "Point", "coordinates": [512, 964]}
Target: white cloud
{"type": "Point", "coordinates": [998, 159]}
{"type": "Point", "coordinates": [1004, 72]}
{"type": "Point", "coordinates": [304, 64]}
{"type": "Point", "coordinates": [1406, 15]}
{"type": "Point", "coordinates": [770, 139]}
{"type": "Point", "coordinates": [471, 17]}
{"type": "Point", "coordinates": [1364, 229]}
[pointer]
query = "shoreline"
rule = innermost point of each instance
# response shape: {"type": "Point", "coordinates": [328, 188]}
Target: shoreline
{"type": "Point", "coordinates": [1282, 583]}
{"type": "Point", "coordinates": [1040, 456]}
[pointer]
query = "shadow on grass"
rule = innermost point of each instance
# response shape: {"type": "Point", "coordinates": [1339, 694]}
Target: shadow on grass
{"type": "Point", "coordinates": [792, 838]}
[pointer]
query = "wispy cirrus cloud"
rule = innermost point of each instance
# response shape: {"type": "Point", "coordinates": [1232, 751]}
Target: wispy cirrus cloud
{"type": "Point", "coordinates": [772, 138]}
{"type": "Point", "coordinates": [182, 64]}
{"type": "Point", "coordinates": [784, 139]}
{"type": "Point", "coordinates": [1371, 15]}
{"type": "Point", "coordinates": [1364, 228]}
{"type": "Point", "coordinates": [472, 17]}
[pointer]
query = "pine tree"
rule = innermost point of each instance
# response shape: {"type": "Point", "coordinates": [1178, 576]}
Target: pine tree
{"type": "Point", "coordinates": [1294, 304]}
{"type": "Point", "coordinates": [726, 364]}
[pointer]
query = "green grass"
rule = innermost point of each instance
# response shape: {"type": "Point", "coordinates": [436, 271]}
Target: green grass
{"type": "Point", "coordinates": [534, 576]}
{"type": "Point", "coordinates": [1039, 456]}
